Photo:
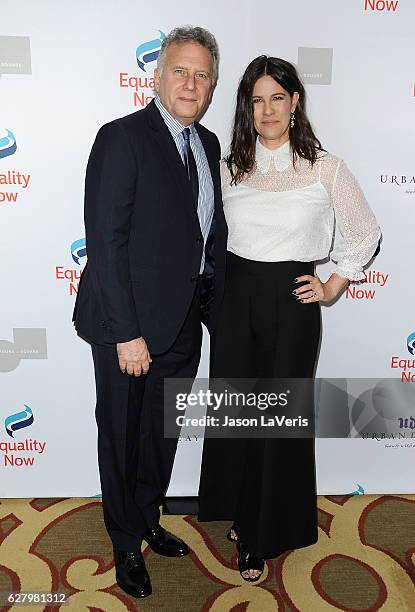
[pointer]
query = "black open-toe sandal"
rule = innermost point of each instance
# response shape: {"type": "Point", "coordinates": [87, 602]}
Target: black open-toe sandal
{"type": "Point", "coordinates": [229, 535]}
{"type": "Point", "coordinates": [248, 561]}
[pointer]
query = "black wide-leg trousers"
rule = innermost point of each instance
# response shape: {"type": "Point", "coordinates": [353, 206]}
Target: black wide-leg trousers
{"type": "Point", "coordinates": [267, 486]}
{"type": "Point", "coordinates": [135, 459]}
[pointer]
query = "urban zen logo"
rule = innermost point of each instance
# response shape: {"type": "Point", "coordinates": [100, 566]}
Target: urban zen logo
{"type": "Point", "coordinates": [400, 181]}
{"type": "Point", "coordinates": [141, 86]}
{"type": "Point", "coordinates": [405, 364]}
{"type": "Point", "coordinates": [72, 276]}
{"type": "Point", "coordinates": [15, 453]}
{"type": "Point", "coordinates": [378, 279]}
{"type": "Point", "coordinates": [406, 423]}
{"type": "Point", "coordinates": [381, 5]}
{"type": "Point", "coordinates": [28, 343]}
{"type": "Point", "coordinates": [10, 178]}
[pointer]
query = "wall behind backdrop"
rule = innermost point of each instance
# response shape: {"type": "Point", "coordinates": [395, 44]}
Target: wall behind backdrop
{"type": "Point", "coordinates": [66, 70]}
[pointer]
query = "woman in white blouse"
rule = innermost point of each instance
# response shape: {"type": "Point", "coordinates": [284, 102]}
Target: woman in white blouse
{"type": "Point", "coordinates": [288, 204]}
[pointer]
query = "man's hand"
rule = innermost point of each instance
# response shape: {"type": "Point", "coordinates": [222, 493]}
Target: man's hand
{"type": "Point", "coordinates": [133, 357]}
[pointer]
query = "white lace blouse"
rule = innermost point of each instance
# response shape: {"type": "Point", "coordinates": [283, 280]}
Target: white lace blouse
{"type": "Point", "coordinates": [278, 213]}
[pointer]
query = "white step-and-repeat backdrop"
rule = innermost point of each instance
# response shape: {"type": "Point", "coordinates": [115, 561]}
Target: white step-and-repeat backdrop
{"type": "Point", "coordinates": [67, 68]}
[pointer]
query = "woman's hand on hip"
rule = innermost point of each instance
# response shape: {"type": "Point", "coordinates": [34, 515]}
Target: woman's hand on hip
{"type": "Point", "coordinates": [313, 290]}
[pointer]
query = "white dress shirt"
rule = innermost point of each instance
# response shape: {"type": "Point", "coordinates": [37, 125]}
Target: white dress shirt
{"type": "Point", "coordinates": [282, 213]}
{"type": "Point", "coordinates": [206, 199]}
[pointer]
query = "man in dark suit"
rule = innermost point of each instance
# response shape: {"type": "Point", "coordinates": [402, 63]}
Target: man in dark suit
{"type": "Point", "coordinates": [156, 244]}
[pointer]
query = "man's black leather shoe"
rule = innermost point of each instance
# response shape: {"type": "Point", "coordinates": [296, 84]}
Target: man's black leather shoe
{"type": "Point", "coordinates": [165, 543]}
{"type": "Point", "coordinates": [131, 573]}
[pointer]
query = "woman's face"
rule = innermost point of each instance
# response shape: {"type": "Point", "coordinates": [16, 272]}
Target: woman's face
{"type": "Point", "coordinates": [272, 108]}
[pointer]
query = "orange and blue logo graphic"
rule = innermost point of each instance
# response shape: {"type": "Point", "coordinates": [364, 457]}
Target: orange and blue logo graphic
{"type": "Point", "coordinates": [8, 144]}
{"type": "Point", "coordinates": [78, 250]}
{"type": "Point", "coordinates": [148, 51]}
{"type": "Point", "coordinates": [410, 343]}
{"type": "Point", "coordinates": [18, 420]}
{"type": "Point", "coordinates": [359, 491]}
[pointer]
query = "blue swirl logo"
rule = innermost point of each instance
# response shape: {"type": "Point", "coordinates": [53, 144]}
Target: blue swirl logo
{"type": "Point", "coordinates": [410, 343]}
{"type": "Point", "coordinates": [149, 51]}
{"type": "Point", "coordinates": [18, 420]}
{"type": "Point", "coordinates": [78, 250]}
{"type": "Point", "coordinates": [8, 144]}
{"type": "Point", "coordinates": [359, 491]}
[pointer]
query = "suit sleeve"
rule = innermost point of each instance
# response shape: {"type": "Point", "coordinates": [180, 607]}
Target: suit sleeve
{"type": "Point", "coordinates": [109, 199]}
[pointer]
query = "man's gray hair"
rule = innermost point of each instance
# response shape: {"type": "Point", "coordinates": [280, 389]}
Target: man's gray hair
{"type": "Point", "coordinates": [186, 34]}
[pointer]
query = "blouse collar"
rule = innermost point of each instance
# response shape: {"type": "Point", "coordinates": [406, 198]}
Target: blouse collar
{"type": "Point", "coordinates": [281, 157]}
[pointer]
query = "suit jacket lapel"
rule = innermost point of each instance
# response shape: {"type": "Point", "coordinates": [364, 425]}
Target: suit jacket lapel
{"type": "Point", "coordinates": [169, 153]}
{"type": "Point", "coordinates": [213, 164]}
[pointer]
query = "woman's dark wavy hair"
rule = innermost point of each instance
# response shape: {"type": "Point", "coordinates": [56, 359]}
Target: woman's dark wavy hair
{"type": "Point", "coordinates": [304, 143]}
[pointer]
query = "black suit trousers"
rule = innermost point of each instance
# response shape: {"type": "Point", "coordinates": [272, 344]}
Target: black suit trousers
{"type": "Point", "coordinates": [135, 460]}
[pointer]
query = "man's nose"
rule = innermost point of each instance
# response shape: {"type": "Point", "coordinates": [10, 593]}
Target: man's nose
{"type": "Point", "coordinates": [190, 82]}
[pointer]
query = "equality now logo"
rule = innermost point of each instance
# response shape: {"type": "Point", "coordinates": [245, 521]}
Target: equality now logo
{"type": "Point", "coordinates": [8, 144]}
{"type": "Point", "coordinates": [13, 179]}
{"type": "Point", "coordinates": [389, 6]}
{"type": "Point", "coordinates": [367, 288]}
{"type": "Point", "coordinates": [142, 87]}
{"type": "Point", "coordinates": [315, 65]}
{"type": "Point", "coordinates": [15, 55]}
{"type": "Point", "coordinates": [28, 343]}
{"type": "Point", "coordinates": [72, 276]}
{"type": "Point", "coordinates": [15, 453]}
{"type": "Point", "coordinates": [18, 420]}
{"type": "Point", "coordinates": [148, 52]}
{"type": "Point", "coordinates": [410, 343]}
{"type": "Point", "coordinates": [404, 364]}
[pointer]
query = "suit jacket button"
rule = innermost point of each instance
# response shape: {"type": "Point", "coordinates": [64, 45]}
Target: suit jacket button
{"type": "Point", "coordinates": [199, 239]}
{"type": "Point", "coordinates": [193, 279]}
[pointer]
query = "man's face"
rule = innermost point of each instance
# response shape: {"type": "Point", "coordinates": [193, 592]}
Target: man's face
{"type": "Point", "coordinates": [185, 84]}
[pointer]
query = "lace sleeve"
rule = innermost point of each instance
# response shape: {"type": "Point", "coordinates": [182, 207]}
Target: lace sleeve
{"type": "Point", "coordinates": [356, 233]}
{"type": "Point", "coordinates": [225, 176]}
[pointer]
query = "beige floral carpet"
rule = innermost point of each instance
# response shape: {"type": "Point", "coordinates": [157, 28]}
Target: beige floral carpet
{"type": "Point", "coordinates": [364, 560]}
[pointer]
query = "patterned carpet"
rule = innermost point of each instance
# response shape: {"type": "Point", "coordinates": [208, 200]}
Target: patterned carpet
{"type": "Point", "coordinates": [364, 560]}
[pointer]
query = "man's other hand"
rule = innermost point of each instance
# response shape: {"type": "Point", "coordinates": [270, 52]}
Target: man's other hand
{"type": "Point", "coordinates": [133, 357]}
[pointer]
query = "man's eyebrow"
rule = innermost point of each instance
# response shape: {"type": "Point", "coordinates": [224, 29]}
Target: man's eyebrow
{"type": "Point", "coordinates": [185, 68]}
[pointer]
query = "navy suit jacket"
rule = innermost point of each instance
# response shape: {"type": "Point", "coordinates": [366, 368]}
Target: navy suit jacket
{"type": "Point", "coordinates": [143, 237]}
